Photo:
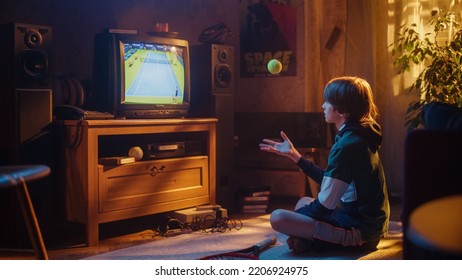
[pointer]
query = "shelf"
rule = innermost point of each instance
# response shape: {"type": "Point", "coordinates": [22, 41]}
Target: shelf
{"type": "Point", "coordinates": [97, 194]}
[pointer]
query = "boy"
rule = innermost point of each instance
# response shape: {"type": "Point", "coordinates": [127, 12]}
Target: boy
{"type": "Point", "coordinates": [352, 210]}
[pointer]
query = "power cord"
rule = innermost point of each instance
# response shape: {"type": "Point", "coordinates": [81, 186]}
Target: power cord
{"type": "Point", "coordinates": [208, 224]}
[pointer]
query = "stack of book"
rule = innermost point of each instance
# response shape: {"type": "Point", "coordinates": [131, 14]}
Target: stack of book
{"type": "Point", "coordinates": [254, 199]}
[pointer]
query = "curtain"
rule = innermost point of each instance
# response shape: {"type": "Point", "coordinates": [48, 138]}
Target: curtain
{"type": "Point", "coordinates": [353, 37]}
{"type": "Point", "coordinates": [371, 28]}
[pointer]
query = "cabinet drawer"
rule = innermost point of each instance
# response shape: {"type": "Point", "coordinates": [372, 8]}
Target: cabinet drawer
{"type": "Point", "coordinates": [152, 182]}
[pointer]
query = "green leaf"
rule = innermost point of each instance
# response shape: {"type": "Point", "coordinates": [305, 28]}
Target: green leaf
{"type": "Point", "coordinates": [441, 77]}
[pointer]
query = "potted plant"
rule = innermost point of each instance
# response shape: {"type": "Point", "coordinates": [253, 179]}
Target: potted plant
{"type": "Point", "coordinates": [441, 77]}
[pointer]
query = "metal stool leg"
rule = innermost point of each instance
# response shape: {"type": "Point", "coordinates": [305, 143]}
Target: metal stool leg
{"type": "Point", "coordinates": [30, 218]}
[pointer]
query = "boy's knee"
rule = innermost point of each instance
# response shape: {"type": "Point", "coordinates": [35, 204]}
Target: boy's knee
{"type": "Point", "coordinates": [277, 218]}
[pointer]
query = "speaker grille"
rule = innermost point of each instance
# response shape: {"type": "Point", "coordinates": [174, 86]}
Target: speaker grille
{"type": "Point", "coordinates": [32, 51]}
{"type": "Point", "coordinates": [223, 65]}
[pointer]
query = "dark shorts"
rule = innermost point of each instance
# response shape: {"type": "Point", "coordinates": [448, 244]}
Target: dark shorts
{"type": "Point", "coordinates": [339, 232]}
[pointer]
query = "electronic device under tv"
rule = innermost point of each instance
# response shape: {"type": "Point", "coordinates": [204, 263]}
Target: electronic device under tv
{"type": "Point", "coordinates": [141, 76]}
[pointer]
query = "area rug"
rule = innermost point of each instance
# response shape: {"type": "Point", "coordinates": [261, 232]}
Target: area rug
{"type": "Point", "coordinates": [195, 245]}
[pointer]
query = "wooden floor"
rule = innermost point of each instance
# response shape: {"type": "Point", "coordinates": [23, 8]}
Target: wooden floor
{"type": "Point", "coordinates": [69, 245]}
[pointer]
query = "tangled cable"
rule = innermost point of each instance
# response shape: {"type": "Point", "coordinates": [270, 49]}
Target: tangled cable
{"type": "Point", "coordinates": [208, 224]}
{"type": "Point", "coordinates": [213, 224]}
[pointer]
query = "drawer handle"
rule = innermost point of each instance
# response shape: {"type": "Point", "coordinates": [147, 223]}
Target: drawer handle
{"type": "Point", "coordinates": [155, 170]}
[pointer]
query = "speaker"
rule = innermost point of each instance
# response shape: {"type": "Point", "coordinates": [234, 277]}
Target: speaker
{"type": "Point", "coordinates": [212, 95]}
{"type": "Point", "coordinates": [25, 112]}
{"type": "Point", "coordinates": [25, 85]}
{"type": "Point", "coordinates": [212, 75]}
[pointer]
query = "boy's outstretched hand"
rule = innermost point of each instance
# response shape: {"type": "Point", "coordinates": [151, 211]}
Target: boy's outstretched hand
{"type": "Point", "coordinates": [285, 148]}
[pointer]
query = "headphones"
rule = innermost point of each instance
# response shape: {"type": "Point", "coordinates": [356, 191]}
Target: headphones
{"type": "Point", "coordinates": [217, 33]}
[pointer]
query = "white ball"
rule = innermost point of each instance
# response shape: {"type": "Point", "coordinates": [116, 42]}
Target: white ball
{"type": "Point", "coordinates": [136, 152]}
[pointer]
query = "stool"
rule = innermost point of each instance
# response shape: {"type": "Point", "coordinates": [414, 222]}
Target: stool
{"type": "Point", "coordinates": [16, 177]}
{"type": "Point", "coordinates": [435, 229]}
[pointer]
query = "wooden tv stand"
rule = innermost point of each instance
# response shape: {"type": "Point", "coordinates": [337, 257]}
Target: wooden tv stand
{"type": "Point", "coordinates": [98, 194]}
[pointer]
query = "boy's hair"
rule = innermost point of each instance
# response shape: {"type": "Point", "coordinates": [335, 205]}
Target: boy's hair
{"type": "Point", "coordinates": [351, 96]}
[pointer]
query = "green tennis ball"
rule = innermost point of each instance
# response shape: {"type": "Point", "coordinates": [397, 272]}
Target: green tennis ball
{"type": "Point", "coordinates": [274, 66]}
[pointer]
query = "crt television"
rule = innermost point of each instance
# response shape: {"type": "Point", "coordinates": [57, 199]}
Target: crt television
{"type": "Point", "coordinates": [141, 76]}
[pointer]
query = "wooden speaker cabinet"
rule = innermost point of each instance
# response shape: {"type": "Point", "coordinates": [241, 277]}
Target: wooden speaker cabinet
{"type": "Point", "coordinates": [212, 86]}
{"type": "Point", "coordinates": [25, 86]}
{"type": "Point", "coordinates": [25, 111]}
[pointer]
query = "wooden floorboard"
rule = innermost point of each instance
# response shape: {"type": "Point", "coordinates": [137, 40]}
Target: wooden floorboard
{"type": "Point", "coordinates": [69, 245]}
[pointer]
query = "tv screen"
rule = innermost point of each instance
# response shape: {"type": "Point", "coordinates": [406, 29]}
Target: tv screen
{"type": "Point", "coordinates": [154, 73]}
{"type": "Point", "coordinates": [145, 76]}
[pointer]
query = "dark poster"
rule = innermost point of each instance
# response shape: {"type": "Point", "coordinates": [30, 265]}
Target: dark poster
{"type": "Point", "coordinates": [268, 31]}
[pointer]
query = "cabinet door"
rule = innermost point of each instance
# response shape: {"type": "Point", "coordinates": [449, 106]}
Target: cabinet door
{"type": "Point", "coordinates": [153, 182]}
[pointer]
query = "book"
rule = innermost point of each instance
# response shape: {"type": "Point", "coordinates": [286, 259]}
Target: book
{"type": "Point", "coordinates": [262, 203]}
{"type": "Point", "coordinates": [255, 198]}
{"type": "Point", "coordinates": [255, 191]}
{"type": "Point", "coordinates": [254, 206]}
{"type": "Point", "coordinates": [253, 211]}
{"type": "Point", "coordinates": [262, 193]}
{"type": "Point", "coordinates": [115, 160]}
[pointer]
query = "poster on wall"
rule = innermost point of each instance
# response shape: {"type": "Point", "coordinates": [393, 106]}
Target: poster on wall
{"type": "Point", "coordinates": [268, 30]}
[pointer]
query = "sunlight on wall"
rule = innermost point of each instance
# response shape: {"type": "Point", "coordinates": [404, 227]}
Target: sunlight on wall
{"type": "Point", "coordinates": [408, 12]}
